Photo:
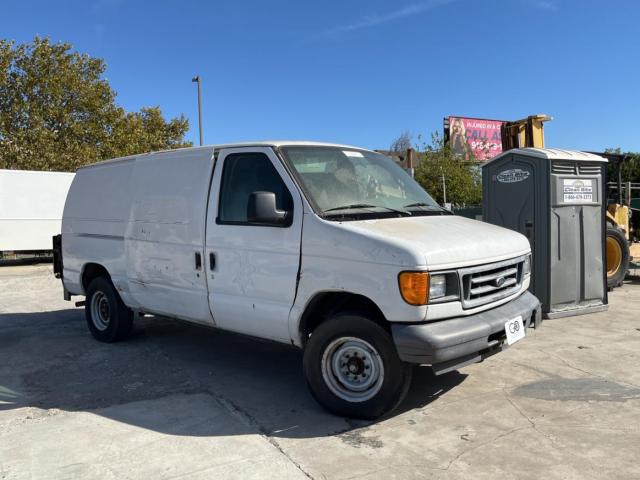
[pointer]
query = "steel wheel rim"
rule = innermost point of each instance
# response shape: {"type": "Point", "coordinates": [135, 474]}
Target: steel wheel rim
{"type": "Point", "coordinates": [614, 256]}
{"type": "Point", "coordinates": [352, 369]}
{"type": "Point", "coordinates": [100, 311]}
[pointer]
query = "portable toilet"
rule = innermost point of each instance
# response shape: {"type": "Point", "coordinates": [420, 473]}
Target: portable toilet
{"type": "Point", "coordinates": [556, 199]}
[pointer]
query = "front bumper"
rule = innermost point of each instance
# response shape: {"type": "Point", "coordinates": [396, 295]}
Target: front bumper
{"type": "Point", "coordinates": [455, 342]}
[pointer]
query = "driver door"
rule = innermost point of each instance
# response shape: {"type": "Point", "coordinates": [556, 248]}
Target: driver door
{"type": "Point", "coordinates": [252, 269]}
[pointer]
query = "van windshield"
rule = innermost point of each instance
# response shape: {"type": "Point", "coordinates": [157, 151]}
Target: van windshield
{"type": "Point", "coordinates": [347, 182]}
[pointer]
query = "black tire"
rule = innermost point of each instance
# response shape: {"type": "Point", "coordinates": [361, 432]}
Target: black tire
{"type": "Point", "coordinates": [617, 261]}
{"type": "Point", "coordinates": [389, 391]}
{"type": "Point", "coordinates": [115, 319]}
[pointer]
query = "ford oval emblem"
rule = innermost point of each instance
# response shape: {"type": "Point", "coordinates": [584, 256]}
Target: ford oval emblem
{"type": "Point", "coordinates": [512, 176]}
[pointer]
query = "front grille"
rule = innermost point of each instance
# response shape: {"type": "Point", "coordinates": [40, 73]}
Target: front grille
{"type": "Point", "coordinates": [491, 282]}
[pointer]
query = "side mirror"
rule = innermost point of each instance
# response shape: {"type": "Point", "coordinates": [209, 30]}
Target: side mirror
{"type": "Point", "coordinates": [262, 210]}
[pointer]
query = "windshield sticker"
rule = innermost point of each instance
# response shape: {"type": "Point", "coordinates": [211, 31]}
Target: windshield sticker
{"type": "Point", "coordinates": [512, 176]}
{"type": "Point", "coordinates": [351, 153]}
{"type": "Point", "coordinates": [576, 191]}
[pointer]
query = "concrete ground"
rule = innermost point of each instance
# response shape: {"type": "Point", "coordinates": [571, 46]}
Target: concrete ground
{"type": "Point", "coordinates": [181, 401]}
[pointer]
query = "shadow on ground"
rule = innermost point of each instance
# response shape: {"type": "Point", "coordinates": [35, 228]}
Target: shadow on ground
{"type": "Point", "coordinates": [172, 370]}
{"type": "Point", "coordinates": [35, 260]}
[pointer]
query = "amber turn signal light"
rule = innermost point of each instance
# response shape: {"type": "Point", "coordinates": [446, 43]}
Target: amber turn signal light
{"type": "Point", "coordinates": [414, 287]}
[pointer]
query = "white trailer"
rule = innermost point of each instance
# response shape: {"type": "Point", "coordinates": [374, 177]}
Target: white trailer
{"type": "Point", "coordinates": [31, 205]}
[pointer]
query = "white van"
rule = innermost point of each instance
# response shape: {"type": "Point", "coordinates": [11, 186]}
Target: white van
{"type": "Point", "coordinates": [330, 248]}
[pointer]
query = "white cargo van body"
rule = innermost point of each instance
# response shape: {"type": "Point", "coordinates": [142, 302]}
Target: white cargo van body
{"type": "Point", "coordinates": [327, 247]}
{"type": "Point", "coordinates": [31, 205]}
{"type": "Point", "coordinates": [148, 237]}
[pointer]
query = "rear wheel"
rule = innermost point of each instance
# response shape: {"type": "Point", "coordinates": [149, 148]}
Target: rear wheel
{"type": "Point", "coordinates": [108, 318]}
{"type": "Point", "coordinates": [617, 250]}
{"type": "Point", "coordinates": [352, 367]}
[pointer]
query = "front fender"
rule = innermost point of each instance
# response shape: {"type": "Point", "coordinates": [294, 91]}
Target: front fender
{"type": "Point", "coordinates": [377, 282]}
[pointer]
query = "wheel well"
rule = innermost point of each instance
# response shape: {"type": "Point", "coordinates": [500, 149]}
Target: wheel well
{"type": "Point", "coordinates": [325, 304]}
{"type": "Point", "coordinates": [92, 271]}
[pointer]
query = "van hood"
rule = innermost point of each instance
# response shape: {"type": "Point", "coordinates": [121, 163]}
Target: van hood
{"type": "Point", "coordinates": [446, 241]}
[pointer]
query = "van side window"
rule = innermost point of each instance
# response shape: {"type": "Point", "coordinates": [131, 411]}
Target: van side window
{"type": "Point", "coordinates": [243, 174]}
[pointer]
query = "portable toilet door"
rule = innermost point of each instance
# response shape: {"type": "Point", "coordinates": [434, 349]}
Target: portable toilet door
{"type": "Point", "coordinates": [512, 188]}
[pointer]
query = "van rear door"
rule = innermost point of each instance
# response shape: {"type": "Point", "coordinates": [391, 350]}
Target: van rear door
{"type": "Point", "coordinates": [252, 269]}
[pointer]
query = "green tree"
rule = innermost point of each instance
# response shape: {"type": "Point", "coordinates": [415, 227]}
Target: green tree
{"type": "Point", "coordinates": [630, 168]}
{"type": "Point", "coordinates": [58, 112]}
{"type": "Point", "coordinates": [147, 131]}
{"type": "Point", "coordinates": [631, 172]}
{"type": "Point", "coordinates": [463, 179]}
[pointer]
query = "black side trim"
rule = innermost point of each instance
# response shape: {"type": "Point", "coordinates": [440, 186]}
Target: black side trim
{"type": "Point", "coordinates": [100, 235]}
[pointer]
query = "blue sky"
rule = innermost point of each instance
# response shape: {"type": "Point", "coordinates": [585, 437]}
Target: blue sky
{"type": "Point", "coordinates": [361, 72]}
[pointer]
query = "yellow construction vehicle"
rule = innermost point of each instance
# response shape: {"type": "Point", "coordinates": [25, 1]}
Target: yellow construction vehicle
{"type": "Point", "coordinates": [623, 222]}
{"type": "Point", "coordinates": [523, 133]}
{"type": "Point", "coordinates": [623, 216]}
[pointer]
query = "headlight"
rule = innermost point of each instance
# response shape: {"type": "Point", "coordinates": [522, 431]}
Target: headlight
{"type": "Point", "coordinates": [420, 288]}
{"type": "Point", "coordinates": [526, 268]}
{"type": "Point", "coordinates": [437, 286]}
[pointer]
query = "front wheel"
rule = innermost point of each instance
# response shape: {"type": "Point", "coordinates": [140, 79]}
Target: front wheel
{"type": "Point", "coordinates": [352, 368]}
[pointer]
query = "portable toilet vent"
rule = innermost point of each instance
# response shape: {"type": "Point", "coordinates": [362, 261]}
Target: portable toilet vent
{"type": "Point", "coordinates": [555, 198]}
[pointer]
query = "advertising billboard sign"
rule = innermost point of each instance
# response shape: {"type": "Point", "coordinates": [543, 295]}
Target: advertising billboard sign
{"type": "Point", "coordinates": [475, 138]}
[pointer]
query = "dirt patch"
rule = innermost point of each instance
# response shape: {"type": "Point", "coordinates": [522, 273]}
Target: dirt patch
{"type": "Point", "coordinates": [356, 439]}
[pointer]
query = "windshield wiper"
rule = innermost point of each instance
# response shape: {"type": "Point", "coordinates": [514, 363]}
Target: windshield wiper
{"type": "Point", "coordinates": [366, 205]}
{"type": "Point", "coordinates": [349, 207]}
{"type": "Point", "coordinates": [419, 204]}
{"type": "Point", "coordinates": [433, 208]}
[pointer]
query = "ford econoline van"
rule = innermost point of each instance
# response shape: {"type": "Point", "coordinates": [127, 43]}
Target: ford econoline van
{"type": "Point", "coordinates": [330, 248]}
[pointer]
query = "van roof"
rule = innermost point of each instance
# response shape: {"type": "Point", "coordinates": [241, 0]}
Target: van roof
{"type": "Point", "coordinates": [280, 143]}
{"type": "Point", "coordinates": [260, 143]}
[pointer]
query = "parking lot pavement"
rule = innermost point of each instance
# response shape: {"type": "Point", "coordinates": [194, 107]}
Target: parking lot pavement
{"type": "Point", "coordinates": [181, 401]}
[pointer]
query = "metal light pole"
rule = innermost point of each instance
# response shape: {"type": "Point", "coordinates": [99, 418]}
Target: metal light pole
{"type": "Point", "coordinates": [196, 79]}
{"type": "Point", "coordinates": [444, 189]}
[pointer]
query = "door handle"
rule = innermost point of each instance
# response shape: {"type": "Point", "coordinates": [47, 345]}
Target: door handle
{"type": "Point", "coordinates": [198, 261]}
{"type": "Point", "coordinates": [212, 261]}
{"type": "Point", "coordinates": [529, 232]}
{"type": "Point", "coordinates": [528, 225]}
